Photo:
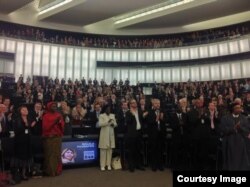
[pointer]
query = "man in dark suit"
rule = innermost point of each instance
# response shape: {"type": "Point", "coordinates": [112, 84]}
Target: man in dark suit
{"type": "Point", "coordinates": [36, 117]}
{"type": "Point", "coordinates": [156, 135]}
{"type": "Point", "coordinates": [198, 134]}
{"type": "Point", "coordinates": [133, 136]}
{"type": "Point", "coordinates": [236, 135]}
{"type": "Point", "coordinates": [93, 118]}
{"type": "Point", "coordinates": [180, 139]}
{"type": "Point", "coordinates": [121, 118]}
{"type": "Point", "coordinates": [4, 131]}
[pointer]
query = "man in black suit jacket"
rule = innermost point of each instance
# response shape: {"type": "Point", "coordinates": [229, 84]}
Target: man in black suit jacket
{"type": "Point", "coordinates": [156, 135]}
{"type": "Point", "coordinates": [93, 118]}
{"type": "Point", "coordinates": [121, 118]}
{"type": "Point", "coordinates": [180, 139]}
{"type": "Point", "coordinates": [133, 136]}
{"type": "Point", "coordinates": [4, 130]}
{"type": "Point", "coordinates": [36, 116]}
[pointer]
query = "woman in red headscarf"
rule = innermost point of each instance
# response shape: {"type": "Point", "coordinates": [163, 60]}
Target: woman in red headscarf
{"type": "Point", "coordinates": [53, 126]}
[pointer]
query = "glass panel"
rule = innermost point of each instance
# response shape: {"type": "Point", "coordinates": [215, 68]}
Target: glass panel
{"type": "Point", "coordinates": [203, 52]}
{"type": "Point", "coordinates": [61, 65]}
{"type": "Point", "coordinates": [141, 75]}
{"type": "Point", "coordinates": [92, 64]}
{"type": "Point", "coordinates": [28, 60]}
{"type": "Point", "coordinates": [236, 70]}
{"type": "Point", "coordinates": [233, 46]}
{"type": "Point", "coordinates": [53, 62]}
{"type": "Point", "coordinates": [157, 55]}
{"type": "Point", "coordinates": [100, 55]}
{"type": "Point", "coordinates": [116, 74]}
{"type": "Point", "coordinates": [124, 75]}
{"type": "Point", "coordinates": [176, 75]}
{"type": "Point", "coordinates": [195, 73]}
{"type": "Point", "coordinates": [133, 76]}
{"type": "Point", "coordinates": [100, 74]}
{"type": "Point", "coordinates": [149, 75]}
{"type": "Point", "coordinates": [158, 75]}
{"type": "Point", "coordinates": [185, 74]}
{"type": "Point", "coordinates": [175, 54]}
{"type": "Point", "coordinates": [166, 55]}
{"type": "Point", "coordinates": [133, 56]}
{"type": "Point", "coordinates": [84, 63]}
{"type": "Point", "coordinates": [223, 49]}
{"type": "Point", "coordinates": [108, 56]}
{"type": "Point", "coordinates": [184, 54]}
{"type": "Point", "coordinates": [19, 59]}
{"type": "Point", "coordinates": [2, 44]}
{"type": "Point", "coordinates": [45, 60]}
{"type": "Point", "coordinates": [37, 59]}
{"type": "Point", "coordinates": [225, 71]}
{"type": "Point", "coordinates": [205, 73]}
{"type": "Point", "coordinates": [125, 56]}
{"type": "Point", "coordinates": [149, 56]}
{"type": "Point", "coordinates": [213, 50]}
{"type": "Point", "coordinates": [194, 53]}
{"type": "Point", "coordinates": [245, 68]}
{"type": "Point", "coordinates": [77, 67]}
{"type": "Point", "coordinates": [108, 75]}
{"type": "Point", "coordinates": [244, 45]}
{"type": "Point", "coordinates": [141, 56]}
{"type": "Point", "coordinates": [215, 72]}
{"type": "Point", "coordinates": [10, 47]}
{"type": "Point", "coordinates": [167, 75]}
{"type": "Point", "coordinates": [69, 63]}
{"type": "Point", "coordinates": [117, 55]}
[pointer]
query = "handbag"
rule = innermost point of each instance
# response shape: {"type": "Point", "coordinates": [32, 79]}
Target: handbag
{"type": "Point", "coordinates": [116, 163]}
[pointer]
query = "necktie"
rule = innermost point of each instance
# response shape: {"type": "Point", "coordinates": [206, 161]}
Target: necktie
{"type": "Point", "coordinates": [180, 122]}
{"type": "Point", "coordinates": [158, 122]}
{"type": "Point", "coordinates": [212, 120]}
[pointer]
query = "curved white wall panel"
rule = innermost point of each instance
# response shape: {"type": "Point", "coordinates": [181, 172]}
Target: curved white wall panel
{"type": "Point", "coordinates": [215, 72]}
{"type": "Point", "coordinates": [10, 46]}
{"type": "Point", "coordinates": [61, 63]}
{"type": "Point", "coordinates": [158, 75]}
{"type": "Point", "coordinates": [34, 58]}
{"type": "Point", "coordinates": [2, 44]}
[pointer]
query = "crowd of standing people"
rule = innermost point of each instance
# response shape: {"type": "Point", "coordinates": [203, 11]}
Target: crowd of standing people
{"type": "Point", "coordinates": [203, 116]}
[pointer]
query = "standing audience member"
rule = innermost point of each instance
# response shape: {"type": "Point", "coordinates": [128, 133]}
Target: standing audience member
{"type": "Point", "coordinates": [36, 116]}
{"type": "Point", "coordinates": [235, 130]}
{"type": "Point", "coordinates": [133, 136]}
{"type": "Point", "coordinates": [53, 127]}
{"type": "Point", "coordinates": [22, 148]}
{"type": "Point", "coordinates": [3, 125]}
{"type": "Point", "coordinates": [78, 113]}
{"type": "Point", "coordinates": [66, 113]}
{"type": "Point", "coordinates": [180, 139]}
{"type": "Point", "coordinates": [156, 135]}
{"type": "Point", "coordinates": [107, 123]}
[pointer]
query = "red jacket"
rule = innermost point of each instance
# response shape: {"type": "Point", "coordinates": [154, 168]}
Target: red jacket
{"type": "Point", "coordinates": [50, 127]}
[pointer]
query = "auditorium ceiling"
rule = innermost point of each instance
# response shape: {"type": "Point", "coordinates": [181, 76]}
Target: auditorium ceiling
{"type": "Point", "coordinates": [129, 17]}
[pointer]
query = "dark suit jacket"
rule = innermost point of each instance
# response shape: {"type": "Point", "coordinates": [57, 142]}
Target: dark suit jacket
{"type": "Point", "coordinates": [131, 131]}
{"type": "Point", "coordinates": [121, 121]}
{"type": "Point", "coordinates": [180, 127]}
{"type": "Point", "coordinates": [153, 130]}
{"type": "Point", "coordinates": [4, 127]}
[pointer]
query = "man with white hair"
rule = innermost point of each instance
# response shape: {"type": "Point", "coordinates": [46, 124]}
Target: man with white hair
{"type": "Point", "coordinates": [157, 134]}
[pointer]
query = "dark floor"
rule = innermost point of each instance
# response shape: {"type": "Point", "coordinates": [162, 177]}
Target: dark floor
{"type": "Point", "coordinates": [93, 177]}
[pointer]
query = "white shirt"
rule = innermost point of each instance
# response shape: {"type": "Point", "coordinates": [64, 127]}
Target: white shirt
{"type": "Point", "coordinates": [138, 125]}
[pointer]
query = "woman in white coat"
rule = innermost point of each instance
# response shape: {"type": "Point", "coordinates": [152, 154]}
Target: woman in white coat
{"type": "Point", "coordinates": [107, 122]}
